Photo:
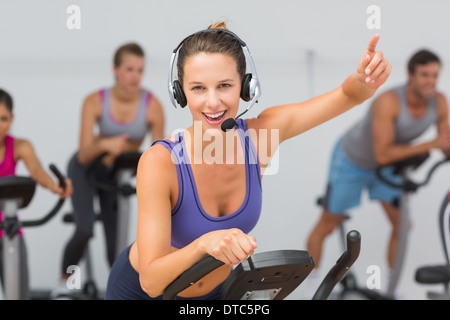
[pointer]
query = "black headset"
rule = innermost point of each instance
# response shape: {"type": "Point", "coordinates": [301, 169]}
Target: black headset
{"type": "Point", "coordinates": [250, 88]}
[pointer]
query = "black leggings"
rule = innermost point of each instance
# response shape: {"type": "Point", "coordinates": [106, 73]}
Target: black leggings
{"type": "Point", "coordinates": [83, 209]}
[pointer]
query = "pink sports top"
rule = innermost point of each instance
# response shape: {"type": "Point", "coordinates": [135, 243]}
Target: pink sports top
{"type": "Point", "coordinates": [8, 166]}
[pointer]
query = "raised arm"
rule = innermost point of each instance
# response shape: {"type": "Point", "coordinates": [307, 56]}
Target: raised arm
{"type": "Point", "coordinates": [443, 127]}
{"type": "Point", "coordinates": [293, 119]}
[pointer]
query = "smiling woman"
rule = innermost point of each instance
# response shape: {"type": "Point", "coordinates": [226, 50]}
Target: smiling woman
{"type": "Point", "coordinates": [212, 87]}
{"type": "Point", "coordinates": [188, 209]}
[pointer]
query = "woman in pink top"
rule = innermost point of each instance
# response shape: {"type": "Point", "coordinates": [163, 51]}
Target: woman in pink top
{"type": "Point", "coordinates": [15, 149]}
{"type": "Point", "coordinates": [11, 151]}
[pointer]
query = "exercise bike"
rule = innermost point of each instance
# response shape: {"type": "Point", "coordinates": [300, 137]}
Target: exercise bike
{"type": "Point", "coordinates": [16, 193]}
{"type": "Point", "coordinates": [122, 171]}
{"type": "Point", "coordinates": [439, 274]}
{"type": "Point", "coordinates": [269, 275]}
{"type": "Point", "coordinates": [408, 186]}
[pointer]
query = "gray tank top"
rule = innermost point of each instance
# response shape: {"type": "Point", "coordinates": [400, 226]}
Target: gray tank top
{"type": "Point", "coordinates": [137, 128]}
{"type": "Point", "coordinates": [357, 142]}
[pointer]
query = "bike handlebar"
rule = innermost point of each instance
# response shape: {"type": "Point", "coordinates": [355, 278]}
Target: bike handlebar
{"type": "Point", "coordinates": [209, 264]}
{"type": "Point", "coordinates": [12, 225]}
{"type": "Point", "coordinates": [341, 267]}
{"type": "Point", "coordinates": [190, 276]}
{"type": "Point", "coordinates": [56, 208]}
{"type": "Point", "coordinates": [408, 184]}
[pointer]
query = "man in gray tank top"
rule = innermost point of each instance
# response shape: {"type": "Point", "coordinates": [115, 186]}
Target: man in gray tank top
{"type": "Point", "coordinates": [383, 137]}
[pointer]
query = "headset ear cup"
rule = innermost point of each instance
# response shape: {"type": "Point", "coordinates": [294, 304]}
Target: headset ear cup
{"type": "Point", "coordinates": [178, 94]}
{"type": "Point", "coordinates": [245, 88]}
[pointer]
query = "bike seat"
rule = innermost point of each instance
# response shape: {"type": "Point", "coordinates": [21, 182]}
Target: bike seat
{"type": "Point", "coordinates": [433, 274]}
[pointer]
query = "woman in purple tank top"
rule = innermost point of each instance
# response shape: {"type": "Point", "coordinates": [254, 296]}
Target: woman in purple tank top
{"type": "Point", "coordinates": [199, 192]}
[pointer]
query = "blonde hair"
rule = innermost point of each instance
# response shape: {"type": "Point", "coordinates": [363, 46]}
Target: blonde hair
{"type": "Point", "coordinates": [218, 25]}
{"type": "Point", "coordinates": [212, 42]}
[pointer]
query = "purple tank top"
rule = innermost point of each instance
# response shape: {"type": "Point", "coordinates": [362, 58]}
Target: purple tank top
{"type": "Point", "coordinates": [8, 167]}
{"type": "Point", "coordinates": [189, 219]}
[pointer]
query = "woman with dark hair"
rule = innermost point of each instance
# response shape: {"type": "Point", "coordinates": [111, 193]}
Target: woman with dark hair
{"type": "Point", "coordinates": [12, 150]}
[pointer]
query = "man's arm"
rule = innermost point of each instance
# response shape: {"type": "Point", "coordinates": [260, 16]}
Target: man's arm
{"type": "Point", "coordinates": [385, 111]}
{"type": "Point", "coordinates": [443, 127]}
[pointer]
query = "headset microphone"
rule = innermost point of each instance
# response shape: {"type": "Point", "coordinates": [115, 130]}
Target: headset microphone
{"type": "Point", "coordinates": [229, 123]}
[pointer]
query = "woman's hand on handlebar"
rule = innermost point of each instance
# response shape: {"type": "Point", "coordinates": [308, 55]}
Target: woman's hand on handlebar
{"type": "Point", "coordinates": [63, 192]}
{"type": "Point", "coordinates": [230, 246]}
{"type": "Point", "coordinates": [115, 145]}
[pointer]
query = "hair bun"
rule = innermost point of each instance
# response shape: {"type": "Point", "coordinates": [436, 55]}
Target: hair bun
{"type": "Point", "coordinates": [218, 25]}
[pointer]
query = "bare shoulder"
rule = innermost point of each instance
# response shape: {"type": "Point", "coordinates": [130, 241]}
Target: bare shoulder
{"type": "Point", "coordinates": [157, 158]}
{"type": "Point", "coordinates": [154, 102]}
{"type": "Point", "coordinates": [23, 148]}
{"type": "Point", "coordinates": [389, 96]}
{"type": "Point", "coordinates": [442, 107]}
{"type": "Point", "coordinates": [156, 154]}
{"type": "Point", "coordinates": [93, 97]}
{"type": "Point", "coordinates": [441, 100]}
{"type": "Point", "coordinates": [387, 103]}
{"type": "Point", "coordinates": [22, 144]}
{"type": "Point", "coordinates": [154, 109]}
{"type": "Point", "coordinates": [157, 175]}
{"type": "Point", "coordinates": [92, 103]}
{"type": "Point", "coordinates": [252, 123]}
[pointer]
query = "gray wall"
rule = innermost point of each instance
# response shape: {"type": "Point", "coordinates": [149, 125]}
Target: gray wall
{"type": "Point", "coordinates": [49, 69]}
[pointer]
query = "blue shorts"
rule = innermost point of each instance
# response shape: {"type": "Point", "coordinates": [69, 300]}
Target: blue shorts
{"type": "Point", "coordinates": [346, 181]}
